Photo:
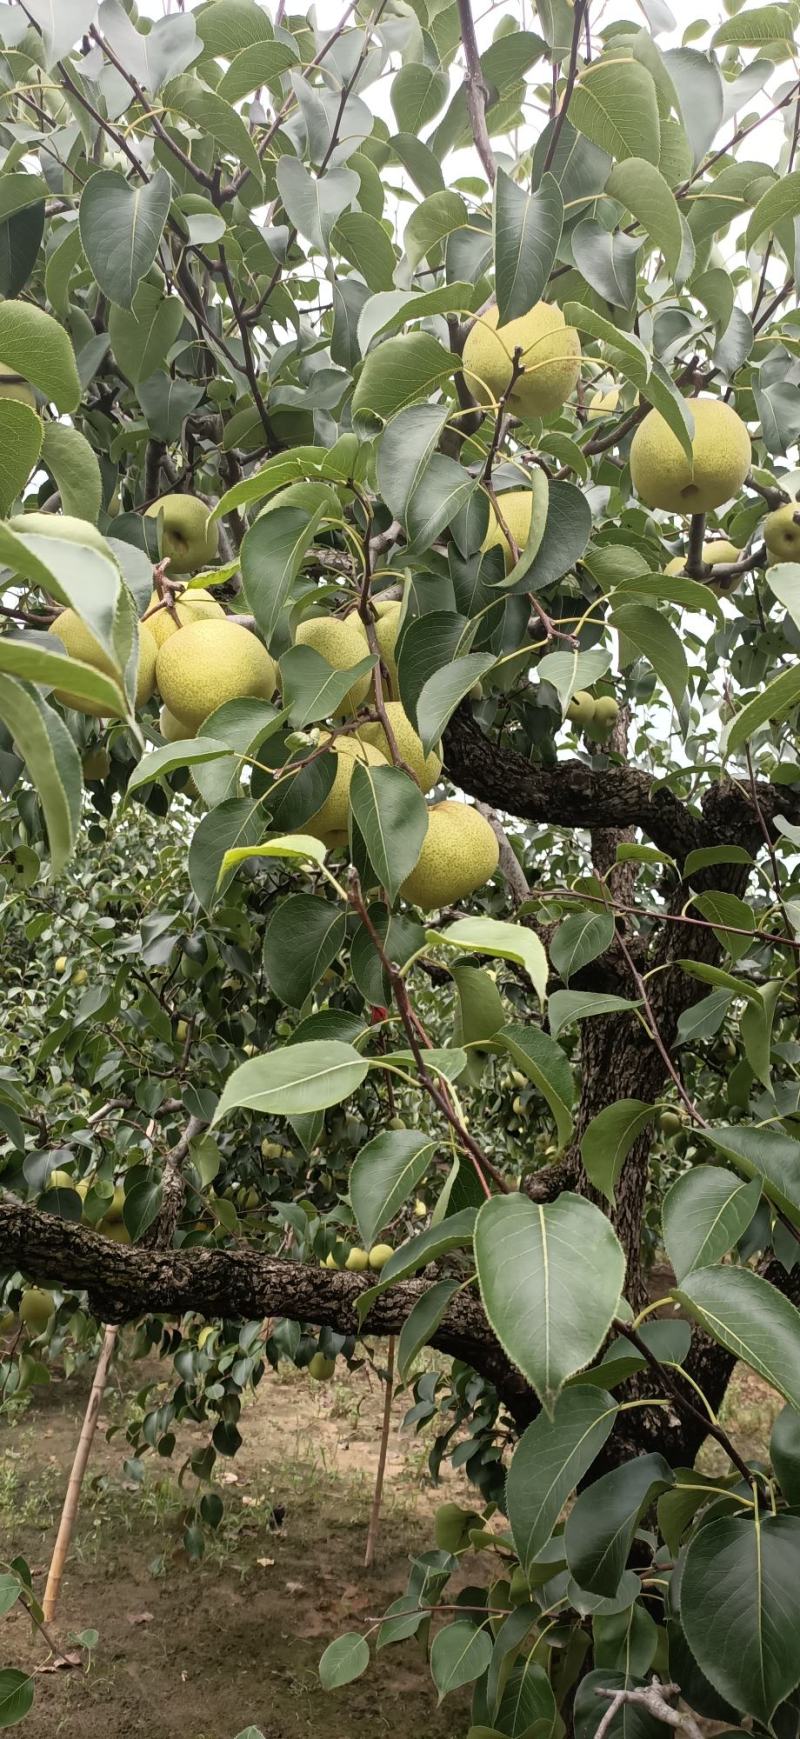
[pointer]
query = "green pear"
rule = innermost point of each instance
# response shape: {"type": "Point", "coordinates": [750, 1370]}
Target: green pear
{"type": "Point", "coordinates": [188, 535]}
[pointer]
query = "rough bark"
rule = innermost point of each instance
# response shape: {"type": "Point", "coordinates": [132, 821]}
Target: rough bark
{"type": "Point", "coordinates": [124, 1282]}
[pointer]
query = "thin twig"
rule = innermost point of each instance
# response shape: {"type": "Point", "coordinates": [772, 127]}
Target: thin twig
{"type": "Point", "coordinates": [375, 1512]}
{"type": "Point", "coordinates": [477, 91]}
{"type": "Point", "coordinates": [581, 11]}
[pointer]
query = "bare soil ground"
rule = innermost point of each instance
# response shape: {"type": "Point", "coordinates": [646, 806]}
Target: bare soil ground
{"type": "Point", "coordinates": [202, 1650]}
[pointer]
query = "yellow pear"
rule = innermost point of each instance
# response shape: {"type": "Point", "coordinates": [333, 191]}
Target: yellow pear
{"type": "Point", "coordinates": [332, 818]}
{"type": "Point", "coordinates": [36, 1308]}
{"type": "Point", "coordinates": [720, 550]}
{"type": "Point", "coordinates": [387, 628]}
{"type": "Point", "coordinates": [379, 1255]}
{"type": "Point", "coordinates": [60, 964]}
{"type": "Point", "coordinates": [516, 507]}
{"type": "Point", "coordinates": [78, 640]}
{"type": "Point", "coordinates": [425, 768]}
{"type": "Point", "coordinates": [114, 1230]}
{"type": "Point", "coordinates": [15, 386]}
{"type": "Point", "coordinates": [171, 728]}
{"type": "Point", "coordinates": [146, 667]}
{"type": "Point", "coordinates": [320, 1368]}
{"type": "Point", "coordinates": [64, 525]}
{"type": "Point", "coordinates": [342, 642]}
{"type": "Point", "coordinates": [8, 1323]}
{"type": "Point", "coordinates": [197, 606]}
{"type": "Point", "coordinates": [662, 475]}
{"type": "Point", "coordinates": [60, 1180]}
{"type": "Point", "coordinates": [602, 404]}
{"type": "Point", "coordinates": [188, 536]}
{"type": "Point", "coordinates": [459, 853]}
{"type": "Point", "coordinates": [208, 663]}
{"type": "Point", "coordinates": [782, 533]}
{"type": "Point", "coordinates": [357, 1260]}
{"type": "Point", "coordinates": [581, 709]}
{"type": "Point", "coordinates": [551, 358]}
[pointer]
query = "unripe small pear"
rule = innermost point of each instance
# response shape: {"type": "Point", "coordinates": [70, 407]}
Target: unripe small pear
{"type": "Point", "coordinates": [357, 1260]}
{"type": "Point", "coordinates": [379, 1254]}
{"type": "Point", "coordinates": [321, 1369]}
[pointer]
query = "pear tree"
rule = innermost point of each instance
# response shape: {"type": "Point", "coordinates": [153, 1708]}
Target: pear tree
{"type": "Point", "coordinates": [399, 710]}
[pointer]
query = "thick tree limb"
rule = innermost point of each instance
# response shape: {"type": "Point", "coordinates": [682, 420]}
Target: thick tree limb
{"type": "Point", "coordinates": [569, 795]}
{"type": "Point", "coordinates": [124, 1282]}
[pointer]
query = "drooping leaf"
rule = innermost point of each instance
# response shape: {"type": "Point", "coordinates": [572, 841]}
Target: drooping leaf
{"type": "Point", "coordinates": [601, 1524]}
{"type": "Point", "coordinates": [344, 1660]}
{"type": "Point", "coordinates": [121, 227]}
{"type": "Point", "coordinates": [748, 1316]}
{"type": "Point", "coordinates": [21, 432]}
{"type": "Point", "coordinates": [34, 345]}
{"type": "Point", "coordinates": [609, 1138]}
{"type": "Point", "coordinates": [502, 941]}
{"type": "Point", "coordinates": [706, 1211]}
{"type": "Point", "coordinates": [550, 1460]}
{"type": "Point", "coordinates": [546, 1065]}
{"type": "Point", "coordinates": [460, 1652]}
{"type": "Point", "coordinates": [303, 936]}
{"type": "Point", "coordinates": [551, 1277]}
{"type": "Point", "coordinates": [392, 818]}
{"type": "Point", "coordinates": [527, 231]}
{"type": "Point", "coordinates": [74, 468]}
{"type": "Point", "coordinates": [52, 761]}
{"type": "Point", "coordinates": [383, 1176]}
{"type": "Point", "coordinates": [740, 1608]}
{"type": "Point", "coordinates": [422, 1323]}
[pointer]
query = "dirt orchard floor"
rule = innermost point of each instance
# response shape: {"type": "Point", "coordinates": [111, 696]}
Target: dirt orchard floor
{"type": "Point", "coordinates": [204, 1650]}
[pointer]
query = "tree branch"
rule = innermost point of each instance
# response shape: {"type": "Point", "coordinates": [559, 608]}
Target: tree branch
{"type": "Point", "coordinates": [477, 91]}
{"type": "Point", "coordinates": [124, 1282]}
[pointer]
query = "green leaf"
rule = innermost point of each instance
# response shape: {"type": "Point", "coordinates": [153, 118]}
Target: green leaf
{"type": "Point", "coordinates": [706, 1211]}
{"type": "Point", "coordinates": [444, 691]}
{"type": "Point", "coordinates": [749, 1317]}
{"type": "Point", "coordinates": [303, 936]}
{"type": "Point", "coordinates": [389, 309]}
{"type": "Point", "coordinates": [398, 372]}
{"type": "Point", "coordinates": [432, 221]}
{"type": "Point", "coordinates": [259, 63]}
{"type": "Point", "coordinates": [299, 1078]}
{"type": "Point", "coordinates": [708, 856]}
{"type": "Point", "coordinates": [213, 116]}
{"type": "Point", "coordinates": [121, 228]}
{"type": "Point", "coordinates": [614, 104]}
{"type": "Point", "coordinates": [383, 1176]}
{"type": "Point", "coordinates": [364, 242]}
{"type": "Point", "coordinates": [16, 1696]}
{"type": "Point", "coordinates": [459, 1654]}
{"type": "Point", "coordinates": [417, 94]}
{"type": "Point", "coordinates": [773, 702]}
{"type": "Point", "coordinates": [641, 188]}
{"type": "Point", "coordinates": [551, 1277]}
{"type": "Point", "coordinates": [601, 1524]}
{"type": "Point", "coordinates": [142, 335]}
{"type": "Point", "coordinates": [527, 231]}
{"type": "Point", "coordinates": [740, 1608]}
{"type": "Point", "coordinates": [25, 657]}
{"type": "Point", "coordinates": [61, 22]}
{"type": "Point", "coordinates": [723, 910]}
{"type": "Point", "coordinates": [454, 1233]}
{"type": "Point", "coordinates": [20, 241]}
{"type": "Point", "coordinates": [766, 1154]}
{"type": "Point", "coordinates": [503, 942]}
{"type": "Point", "coordinates": [73, 465]}
{"type": "Point", "coordinates": [10, 1590]}
{"type": "Point", "coordinates": [567, 1006]}
{"type": "Point", "coordinates": [21, 432]}
{"type": "Point", "coordinates": [781, 201]}
{"type": "Point", "coordinates": [142, 1207]}
{"type": "Point", "coordinates": [52, 761]}
{"type": "Point", "coordinates": [654, 638]}
{"type": "Point", "coordinates": [566, 533]}
{"type": "Point", "coordinates": [187, 753]}
{"type": "Point", "coordinates": [662, 393]}
{"type": "Point", "coordinates": [272, 554]}
{"type": "Point", "coordinates": [392, 817]}
{"type": "Point", "coordinates": [344, 1660]}
{"type": "Point", "coordinates": [784, 1453]}
{"type": "Point", "coordinates": [569, 671]}
{"type": "Point", "coordinates": [609, 1138]}
{"type": "Point", "coordinates": [299, 847]}
{"type": "Point", "coordinates": [759, 25]}
{"type": "Point", "coordinates": [629, 350]}
{"type": "Point", "coordinates": [314, 464]}
{"type": "Point", "coordinates": [311, 688]}
{"type": "Point", "coordinates": [550, 1460]}
{"type": "Point", "coordinates": [579, 939]}
{"type": "Point", "coordinates": [422, 1323]}
{"type": "Point", "coordinates": [545, 1064]}
{"type": "Point", "coordinates": [34, 345]}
